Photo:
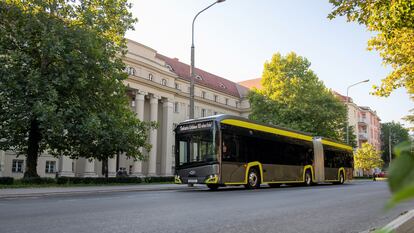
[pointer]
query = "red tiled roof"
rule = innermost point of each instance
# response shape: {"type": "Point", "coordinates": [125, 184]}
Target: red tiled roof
{"type": "Point", "coordinates": [208, 80]}
{"type": "Point", "coordinates": [257, 83]}
{"type": "Point", "coordinates": [342, 97]}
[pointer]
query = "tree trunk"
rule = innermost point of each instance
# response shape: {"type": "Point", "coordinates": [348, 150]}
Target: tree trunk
{"type": "Point", "coordinates": [105, 167]}
{"type": "Point", "coordinates": [33, 149]}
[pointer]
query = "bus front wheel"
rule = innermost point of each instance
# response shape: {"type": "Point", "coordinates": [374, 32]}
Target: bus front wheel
{"type": "Point", "coordinates": [212, 186]}
{"type": "Point", "coordinates": [253, 179]}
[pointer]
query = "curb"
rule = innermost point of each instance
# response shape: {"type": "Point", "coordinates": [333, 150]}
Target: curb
{"type": "Point", "coordinates": [403, 224]}
{"type": "Point", "coordinates": [69, 193]}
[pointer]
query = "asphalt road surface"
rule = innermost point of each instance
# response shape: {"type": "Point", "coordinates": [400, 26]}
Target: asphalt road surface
{"type": "Point", "coordinates": [352, 207]}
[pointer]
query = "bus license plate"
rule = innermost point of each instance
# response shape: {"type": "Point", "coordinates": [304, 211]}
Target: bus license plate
{"type": "Point", "coordinates": [192, 181]}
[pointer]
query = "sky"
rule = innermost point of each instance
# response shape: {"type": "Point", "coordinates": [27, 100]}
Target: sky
{"type": "Point", "coordinates": [233, 39]}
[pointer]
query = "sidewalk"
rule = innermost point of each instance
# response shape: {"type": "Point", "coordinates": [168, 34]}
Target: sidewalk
{"type": "Point", "coordinates": [38, 192]}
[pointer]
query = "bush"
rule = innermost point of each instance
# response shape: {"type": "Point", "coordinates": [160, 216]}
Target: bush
{"type": "Point", "coordinates": [38, 180]}
{"type": "Point", "coordinates": [6, 180]}
{"type": "Point", "coordinates": [98, 180]}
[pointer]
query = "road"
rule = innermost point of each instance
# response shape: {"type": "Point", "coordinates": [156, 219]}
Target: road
{"type": "Point", "coordinates": [352, 207]}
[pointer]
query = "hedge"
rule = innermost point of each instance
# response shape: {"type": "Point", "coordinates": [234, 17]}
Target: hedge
{"type": "Point", "coordinates": [38, 180]}
{"type": "Point", "coordinates": [87, 180]}
{"type": "Point", "coordinates": [6, 180]}
{"type": "Point", "coordinates": [112, 180]}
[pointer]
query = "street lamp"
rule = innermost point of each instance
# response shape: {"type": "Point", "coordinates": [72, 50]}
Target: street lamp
{"type": "Point", "coordinates": [192, 61]}
{"type": "Point", "coordinates": [347, 102]}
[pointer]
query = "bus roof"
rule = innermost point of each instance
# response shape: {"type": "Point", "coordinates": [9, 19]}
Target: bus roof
{"type": "Point", "coordinates": [246, 123]}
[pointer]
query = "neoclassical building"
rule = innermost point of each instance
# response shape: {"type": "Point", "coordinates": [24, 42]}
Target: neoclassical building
{"type": "Point", "coordinates": [158, 89]}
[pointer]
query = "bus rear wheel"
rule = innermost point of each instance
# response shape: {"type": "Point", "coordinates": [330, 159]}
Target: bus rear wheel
{"type": "Point", "coordinates": [212, 187]}
{"type": "Point", "coordinates": [308, 178]}
{"type": "Point", "coordinates": [341, 178]}
{"type": "Point", "coordinates": [253, 179]}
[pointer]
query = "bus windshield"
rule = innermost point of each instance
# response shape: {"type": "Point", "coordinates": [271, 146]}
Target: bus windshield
{"type": "Point", "coordinates": [196, 148]}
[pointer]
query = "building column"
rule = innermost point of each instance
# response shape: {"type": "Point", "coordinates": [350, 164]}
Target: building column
{"type": "Point", "coordinates": [112, 167]}
{"type": "Point", "coordinates": [152, 161]}
{"type": "Point", "coordinates": [65, 166]}
{"type": "Point", "coordinates": [89, 168]}
{"type": "Point", "coordinates": [2, 162]}
{"type": "Point", "coordinates": [139, 110]}
{"type": "Point", "coordinates": [166, 161]}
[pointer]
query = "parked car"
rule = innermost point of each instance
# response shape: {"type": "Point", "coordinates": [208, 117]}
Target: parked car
{"type": "Point", "coordinates": [382, 174]}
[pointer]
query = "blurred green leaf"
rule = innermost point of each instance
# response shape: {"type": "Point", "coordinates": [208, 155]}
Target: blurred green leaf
{"type": "Point", "coordinates": [401, 175]}
{"type": "Point", "coordinates": [404, 194]}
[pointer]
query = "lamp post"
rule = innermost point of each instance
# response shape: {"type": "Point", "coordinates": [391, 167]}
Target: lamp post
{"type": "Point", "coordinates": [347, 102]}
{"type": "Point", "coordinates": [192, 61]}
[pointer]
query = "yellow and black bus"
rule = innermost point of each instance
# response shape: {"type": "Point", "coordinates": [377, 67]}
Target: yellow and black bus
{"type": "Point", "coordinates": [225, 150]}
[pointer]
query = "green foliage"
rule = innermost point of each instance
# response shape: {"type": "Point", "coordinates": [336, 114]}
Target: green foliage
{"type": "Point", "coordinates": [367, 157]}
{"type": "Point", "coordinates": [398, 134]}
{"type": "Point", "coordinates": [393, 22]}
{"type": "Point", "coordinates": [62, 80]}
{"type": "Point", "coordinates": [6, 180]}
{"type": "Point", "coordinates": [352, 137]}
{"type": "Point", "coordinates": [401, 174]}
{"type": "Point", "coordinates": [294, 97]}
{"type": "Point", "coordinates": [37, 180]}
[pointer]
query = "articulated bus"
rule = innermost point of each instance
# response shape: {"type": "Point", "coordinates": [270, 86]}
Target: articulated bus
{"type": "Point", "coordinates": [226, 150]}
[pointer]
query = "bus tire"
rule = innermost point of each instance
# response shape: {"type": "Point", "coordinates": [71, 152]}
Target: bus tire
{"type": "Point", "coordinates": [308, 178]}
{"type": "Point", "coordinates": [212, 187]}
{"type": "Point", "coordinates": [253, 179]}
{"type": "Point", "coordinates": [341, 178]}
{"type": "Point", "coordinates": [274, 185]}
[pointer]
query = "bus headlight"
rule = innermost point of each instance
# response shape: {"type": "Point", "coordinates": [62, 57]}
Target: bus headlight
{"type": "Point", "coordinates": [177, 179]}
{"type": "Point", "coordinates": [211, 179]}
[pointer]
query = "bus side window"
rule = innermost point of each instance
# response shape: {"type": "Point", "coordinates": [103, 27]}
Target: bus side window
{"type": "Point", "coordinates": [230, 148]}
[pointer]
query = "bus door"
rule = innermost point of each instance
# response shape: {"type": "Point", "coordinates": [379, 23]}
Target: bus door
{"type": "Point", "coordinates": [232, 166]}
{"type": "Point", "coordinates": [318, 162]}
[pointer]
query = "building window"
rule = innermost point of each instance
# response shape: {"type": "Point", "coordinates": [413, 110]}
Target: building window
{"type": "Point", "coordinates": [130, 71]}
{"type": "Point", "coordinates": [17, 165]}
{"type": "Point", "coordinates": [216, 98]}
{"type": "Point", "coordinates": [203, 94]}
{"type": "Point", "coordinates": [222, 85]}
{"type": "Point", "coordinates": [215, 113]}
{"type": "Point", "coordinates": [176, 107]}
{"type": "Point", "coordinates": [237, 104]}
{"type": "Point", "coordinates": [203, 112]}
{"type": "Point", "coordinates": [150, 77]}
{"type": "Point", "coordinates": [227, 101]}
{"type": "Point", "coordinates": [177, 86]}
{"type": "Point", "coordinates": [170, 68]}
{"type": "Point", "coordinates": [164, 82]}
{"type": "Point", "coordinates": [198, 77]}
{"type": "Point", "coordinates": [50, 166]}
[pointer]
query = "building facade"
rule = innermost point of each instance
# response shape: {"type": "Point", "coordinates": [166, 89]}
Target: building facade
{"type": "Point", "coordinates": [158, 90]}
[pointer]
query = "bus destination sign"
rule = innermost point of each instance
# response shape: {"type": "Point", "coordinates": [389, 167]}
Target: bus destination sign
{"type": "Point", "coordinates": [195, 126]}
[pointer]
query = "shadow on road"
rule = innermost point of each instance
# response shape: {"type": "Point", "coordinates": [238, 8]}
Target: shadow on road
{"type": "Point", "coordinates": [266, 187]}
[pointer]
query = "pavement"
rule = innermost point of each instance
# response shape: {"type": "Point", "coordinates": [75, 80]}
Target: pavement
{"type": "Point", "coordinates": [53, 191]}
{"type": "Point", "coordinates": [59, 191]}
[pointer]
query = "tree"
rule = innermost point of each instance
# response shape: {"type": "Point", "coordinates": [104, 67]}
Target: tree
{"type": "Point", "coordinates": [61, 77]}
{"type": "Point", "coordinates": [394, 23]}
{"type": "Point", "coordinates": [352, 137]}
{"type": "Point", "coordinates": [367, 157]}
{"type": "Point", "coordinates": [292, 96]}
{"type": "Point", "coordinates": [398, 134]}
